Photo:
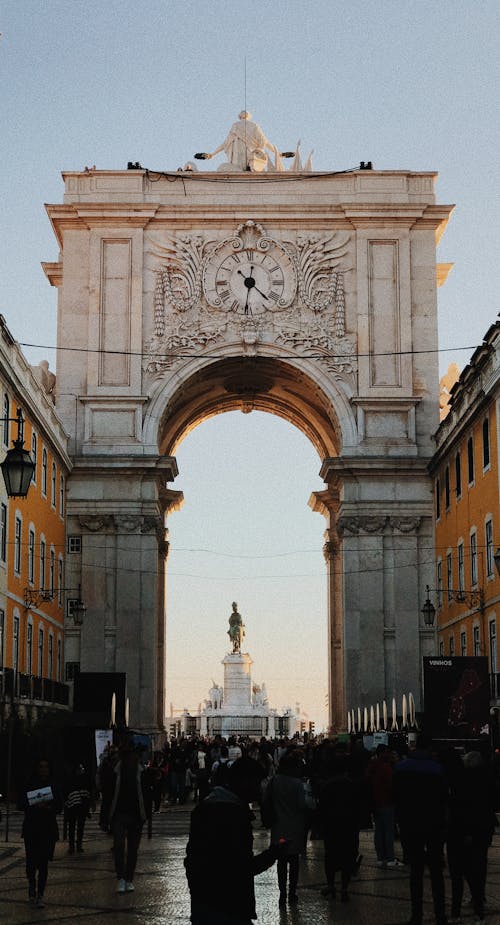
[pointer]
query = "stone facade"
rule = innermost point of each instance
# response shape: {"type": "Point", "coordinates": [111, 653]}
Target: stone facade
{"type": "Point", "coordinates": [312, 296]}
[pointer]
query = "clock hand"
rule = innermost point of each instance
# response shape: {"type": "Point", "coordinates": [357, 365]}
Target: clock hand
{"type": "Point", "coordinates": [264, 296]}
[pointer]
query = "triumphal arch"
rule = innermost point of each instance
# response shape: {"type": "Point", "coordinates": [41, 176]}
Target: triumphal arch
{"type": "Point", "coordinates": [309, 295]}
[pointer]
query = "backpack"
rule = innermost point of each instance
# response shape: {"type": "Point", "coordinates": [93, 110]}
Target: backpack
{"type": "Point", "coordinates": [220, 778]}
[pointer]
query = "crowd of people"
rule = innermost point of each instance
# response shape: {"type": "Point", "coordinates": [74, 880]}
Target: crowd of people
{"type": "Point", "coordinates": [439, 806]}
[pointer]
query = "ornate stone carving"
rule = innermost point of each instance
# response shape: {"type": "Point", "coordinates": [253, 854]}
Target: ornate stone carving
{"type": "Point", "coordinates": [253, 287]}
{"type": "Point", "coordinates": [405, 524]}
{"type": "Point", "coordinates": [363, 523]}
{"type": "Point", "coordinates": [128, 523]}
{"type": "Point", "coordinates": [330, 549]}
{"type": "Point", "coordinates": [96, 522]}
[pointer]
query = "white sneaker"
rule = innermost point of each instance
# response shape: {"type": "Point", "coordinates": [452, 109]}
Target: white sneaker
{"type": "Point", "coordinates": [121, 886]}
{"type": "Point", "coordinates": [394, 863]}
{"type": "Point", "coordinates": [129, 887]}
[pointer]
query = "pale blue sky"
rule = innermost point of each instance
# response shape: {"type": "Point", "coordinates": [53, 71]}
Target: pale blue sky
{"type": "Point", "coordinates": [409, 85]}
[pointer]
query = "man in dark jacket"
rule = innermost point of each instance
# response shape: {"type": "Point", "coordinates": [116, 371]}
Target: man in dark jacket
{"type": "Point", "coordinates": [421, 795]}
{"type": "Point", "coordinates": [220, 863]}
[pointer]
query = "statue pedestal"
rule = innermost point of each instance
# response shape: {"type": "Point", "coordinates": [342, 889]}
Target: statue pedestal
{"type": "Point", "coordinates": [237, 682]}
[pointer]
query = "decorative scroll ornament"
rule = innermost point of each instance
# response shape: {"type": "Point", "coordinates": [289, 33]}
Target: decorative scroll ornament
{"type": "Point", "coordinates": [405, 524]}
{"type": "Point", "coordinates": [252, 287]}
{"type": "Point", "coordinates": [363, 523]}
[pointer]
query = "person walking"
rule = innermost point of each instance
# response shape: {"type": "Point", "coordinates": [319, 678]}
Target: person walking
{"type": "Point", "coordinates": [421, 798]}
{"type": "Point", "coordinates": [220, 863]}
{"type": "Point", "coordinates": [127, 815]}
{"type": "Point", "coordinates": [470, 831]}
{"type": "Point", "coordinates": [77, 808]}
{"type": "Point", "coordinates": [285, 805]}
{"type": "Point", "coordinates": [41, 801]}
{"type": "Point", "coordinates": [379, 777]}
{"type": "Point", "coordinates": [339, 807]}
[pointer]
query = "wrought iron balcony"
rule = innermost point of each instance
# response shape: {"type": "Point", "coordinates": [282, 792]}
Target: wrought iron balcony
{"type": "Point", "coordinates": [20, 687]}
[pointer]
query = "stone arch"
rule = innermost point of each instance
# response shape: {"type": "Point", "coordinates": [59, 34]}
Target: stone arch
{"type": "Point", "coordinates": [301, 394]}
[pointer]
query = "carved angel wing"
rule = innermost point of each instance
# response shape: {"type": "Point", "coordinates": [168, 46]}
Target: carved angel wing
{"type": "Point", "coordinates": [318, 257]}
{"type": "Point", "coordinates": [178, 279]}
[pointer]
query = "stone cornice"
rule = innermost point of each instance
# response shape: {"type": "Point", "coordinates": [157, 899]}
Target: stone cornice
{"type": "Point", "coordinates": [54, 272]}
{"type": "Point", "coordinates": [103, 466]}
{"type": "Point", "coordinates": [378, 466]}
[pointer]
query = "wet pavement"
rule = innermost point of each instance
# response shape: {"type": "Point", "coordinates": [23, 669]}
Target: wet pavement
{"type": "Point", "coordinates": [81, 888]}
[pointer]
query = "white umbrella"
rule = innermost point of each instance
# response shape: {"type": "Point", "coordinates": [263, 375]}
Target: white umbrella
{"type": "Point", "coordinates": [404, 712]}
{"type": "Point", "coordinates": [365, 720]}
{"type": "Point", "coordinates": [377, 716]}
{"type": "Point", "coordinates": [127, 711]}
{"type": "Point", "coordinates": [349, 722]}
{"type": "Point", "coordinates": [372, 719]}
{"type": "Point", "coordinates": [413, 718]}
{"type": "Point", "coordinates": [353, 721]}
{"type": "Point", "coordinates": [359, 720]}
{"type": "Point", "coordinates": [384, 713]}
{"type": "Point", "coordinates": [113, 710]}
{"type": "Point", "coordinates": [394, 725]}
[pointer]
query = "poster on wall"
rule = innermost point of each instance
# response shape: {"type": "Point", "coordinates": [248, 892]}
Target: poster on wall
{"type": "Point", "coordinates": [456, 696]}
{"type": "Point", "coordinates": [103, 738]}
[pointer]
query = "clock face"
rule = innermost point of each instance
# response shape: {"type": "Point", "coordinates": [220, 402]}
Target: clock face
{"type": "Point", "coordinates": [250, 281]}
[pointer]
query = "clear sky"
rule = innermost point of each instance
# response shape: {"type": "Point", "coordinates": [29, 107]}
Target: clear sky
{"type": "Point", "coordinates": [408, 85]}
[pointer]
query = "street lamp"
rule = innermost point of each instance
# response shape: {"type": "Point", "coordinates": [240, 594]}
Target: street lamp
{"type": "Point", "coordinates": [18, 466]}
{"type": "Point", "coordinates": [428, 610]}
{"type": "Point", "coordinates": [33, 597]}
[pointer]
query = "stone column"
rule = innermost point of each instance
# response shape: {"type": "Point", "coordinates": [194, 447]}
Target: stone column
{"type": "Point", "coordinates": [327, 503]}
{"type": "Point", "coordinates": [120, 516]}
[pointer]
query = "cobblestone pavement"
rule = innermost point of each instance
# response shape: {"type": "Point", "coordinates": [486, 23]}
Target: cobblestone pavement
{"type": "Point", "coordinates": [81, 888]}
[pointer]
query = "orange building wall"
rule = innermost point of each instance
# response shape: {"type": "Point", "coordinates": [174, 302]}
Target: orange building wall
{"type": "Point", "coordinates": [478, 501]}
{"type": "Point", "coordinates": [37, 510]}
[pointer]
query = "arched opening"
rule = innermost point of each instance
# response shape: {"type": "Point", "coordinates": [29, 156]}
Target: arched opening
{"type": "Point", "coordinates": [246, 533]}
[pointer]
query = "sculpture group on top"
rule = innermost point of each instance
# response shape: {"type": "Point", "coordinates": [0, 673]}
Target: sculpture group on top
{"type": "Point", "coordinates": [247, 149]}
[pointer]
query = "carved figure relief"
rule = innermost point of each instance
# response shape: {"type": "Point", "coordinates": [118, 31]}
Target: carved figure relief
{"type": "Point", "coordinates": [253, 287]}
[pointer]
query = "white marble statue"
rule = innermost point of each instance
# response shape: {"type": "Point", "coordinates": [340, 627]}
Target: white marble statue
{"type": "Point", "coordinates": [245, 147]}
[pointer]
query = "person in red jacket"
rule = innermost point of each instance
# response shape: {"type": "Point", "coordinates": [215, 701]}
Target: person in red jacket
{"type": "Point", "coordinates": [379, 775]}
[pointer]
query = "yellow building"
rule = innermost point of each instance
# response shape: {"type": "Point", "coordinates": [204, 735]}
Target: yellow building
{"type": "Point", "coordinates": [32, 536]}
{"type": "Point", "coordinates": [466, 473]}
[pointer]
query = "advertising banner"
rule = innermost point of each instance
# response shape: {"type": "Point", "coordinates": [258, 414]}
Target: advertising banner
{"type": "Point", "coordinates": [456, 696]}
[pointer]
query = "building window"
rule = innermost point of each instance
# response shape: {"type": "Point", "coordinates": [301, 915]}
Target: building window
{"type": "Point", "coordinates": [473, 559]}
{"type": "Point", "coordinates": [3, 532]}
{"type": "Point", "coordinates": [34, 450]}
{"type": "Point", "coordinates": [438, 499]}
{"type": "Point", "coordinates": [2, 637]}
{"type": "Point", "coordinates": [53, 484]}
{"type": "Point", "coordinates": [40, 653]}
{"type": "Point", "coordinates": [451, 645]}
{"type": "Point", "coordinates": [74, 544]}
{"type": "Point", "coordinates": [18, 529]}
{"type": "Point", "coordinates": [488, 535]}
{"type": "Point", "coordinates": [441, 647]}
{"type": "Point", "coordinates": [29, 648]}
{"type": "Point", "coordinates": [5, 424]}
{"type": "Point", "coordinates": [60, 581]}
{"type": "Point", "coordinates": [72, 669]}
{"type": "Point", "coordinates": [44, 471]}
{"type": "Point", "coordinates": [58, 659]}
{"type": "Point", "coordinates": [50, 658]}
{"type": "Point", "coordinates": [61, 495]}
{"type": "Point", "coordinates": [486, 443]}
{"type": "Point", "coordinates": [52, 572]}
{"type": "Point", "coordinates": [476, 641]}
{"type": "Point", "coordinates": [439, 576]}
{"type": "Point", "coordinates": [461, 568]}
{"type": "Point", "coordinates": [449, 575]}
{"type": "Point", "coordinates": [15, 645]}
{"type": "Point", "coordinates": [447, 488]}
{"type": "Point", "coordinates": [492, 630]}
{"type": "Point", "coordinates": [470, 460]}
{"type": "Point", "coordinates": [43, 556]}
{"type": "Point", "coordinates": [31, 556]}
{"type": "Point", "coordinates": [458, 475]}
{"type": "Point", "coordinates": [463, 643]}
